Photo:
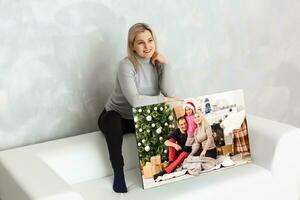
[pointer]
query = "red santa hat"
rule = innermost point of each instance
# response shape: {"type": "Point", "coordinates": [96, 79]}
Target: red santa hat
{"type": "Point", "coordinates": [190, 105]}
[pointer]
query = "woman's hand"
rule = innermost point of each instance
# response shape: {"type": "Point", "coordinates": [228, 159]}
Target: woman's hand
{"type": "Point", "coordinates": [169, 99]}
{"type": "Point", "coordinates": [191, 155]}
{"type": "Point", "coordinates": [157, 57]}
{"type": "Point", "coordinates": [202, 154]}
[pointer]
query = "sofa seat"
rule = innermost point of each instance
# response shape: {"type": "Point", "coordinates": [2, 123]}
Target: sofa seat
{"type": "Point", "coordinates": [247, 182]}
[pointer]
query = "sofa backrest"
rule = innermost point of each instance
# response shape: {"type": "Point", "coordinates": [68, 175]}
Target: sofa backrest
{"type": "Point", "coordinates": [83, 157]}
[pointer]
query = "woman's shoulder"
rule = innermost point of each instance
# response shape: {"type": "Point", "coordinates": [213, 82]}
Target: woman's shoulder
{"type": "Point", "coordinates": [126, 65]}
{"type": "Point", "coordinates": [126, 61]}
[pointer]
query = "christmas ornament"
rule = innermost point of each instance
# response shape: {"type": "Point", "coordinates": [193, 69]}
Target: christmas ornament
{"type": "Point", "coordinates": [147, 148]}
{"type": "Point", "coordinates": [148, 118]}
{"type": "Point", "coordinates": [158, 131]}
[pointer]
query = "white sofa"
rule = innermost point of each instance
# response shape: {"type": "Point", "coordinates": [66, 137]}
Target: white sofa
{"type": "Point", "coordinates": [77, 168]}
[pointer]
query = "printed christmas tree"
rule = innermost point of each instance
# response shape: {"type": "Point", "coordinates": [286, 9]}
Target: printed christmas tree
{"type": "Point", "coordinates": [152, 124]}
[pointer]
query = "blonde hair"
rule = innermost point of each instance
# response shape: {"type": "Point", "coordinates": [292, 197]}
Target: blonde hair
{"type": "Point", "coordinates": [204, 122]}
{"type": "Point", "coordinates": [132, 33]}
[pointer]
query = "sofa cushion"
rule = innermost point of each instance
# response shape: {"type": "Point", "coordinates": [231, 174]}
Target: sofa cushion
{"type": "Point", "coordinates": [243, 182]}
{"type": "Point", "coordinates": [78, 158]}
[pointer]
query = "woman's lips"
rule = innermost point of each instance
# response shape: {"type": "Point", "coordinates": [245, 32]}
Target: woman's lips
{"type": "Point", "coordinates": [148, 51]}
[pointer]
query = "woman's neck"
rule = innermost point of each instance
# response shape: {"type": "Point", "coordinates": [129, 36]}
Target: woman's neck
{"type": "Point", "coordinates": [142, 59]}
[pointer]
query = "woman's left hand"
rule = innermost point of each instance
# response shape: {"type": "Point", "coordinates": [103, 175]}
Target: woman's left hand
{"type": "Point", "coordinates": [157, 57]}
{"type": "Point", "coordinates": [169, 99]}
{"type": "Point", "coordinates": [202, 154]}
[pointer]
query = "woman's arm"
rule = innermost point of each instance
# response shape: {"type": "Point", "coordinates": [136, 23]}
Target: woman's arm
{"type": "Point", "coordinates": [195, 148]}
{"type": "Point", "coordinates": [196, 144]}
{"type": "Point", "coordinates": [126, 78]}
{"type": "Point", "coordinates": [210, 140]}
{"type": "Point", "coordinates": [166, 84]}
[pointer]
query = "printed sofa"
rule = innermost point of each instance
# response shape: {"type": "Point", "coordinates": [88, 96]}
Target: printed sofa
{"type": "Point", "coordinates": [78, 168]}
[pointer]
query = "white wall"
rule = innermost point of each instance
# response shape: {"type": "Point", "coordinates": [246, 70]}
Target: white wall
{"type": "Point", "coordinates": [58, 58]}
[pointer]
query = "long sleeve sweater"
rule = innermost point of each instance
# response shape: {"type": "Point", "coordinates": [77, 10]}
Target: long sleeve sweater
{"type": "Point", "coordinates": [204, 136]}
{"type": "Point", "coordinates": [145, 86]}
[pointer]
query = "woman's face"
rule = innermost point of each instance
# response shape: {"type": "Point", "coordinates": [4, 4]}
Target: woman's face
{"type": "Point", "coordinates": [197, 118]}
{"type": "Point", "coordinates": [144, 44]}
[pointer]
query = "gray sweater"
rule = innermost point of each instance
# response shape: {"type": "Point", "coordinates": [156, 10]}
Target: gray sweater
{"type": "Point", "coordinates": [146, 86]}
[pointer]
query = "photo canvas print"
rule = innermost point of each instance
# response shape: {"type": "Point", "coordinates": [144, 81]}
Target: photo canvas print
{"type": "Point", "coordinates": [183, 139]}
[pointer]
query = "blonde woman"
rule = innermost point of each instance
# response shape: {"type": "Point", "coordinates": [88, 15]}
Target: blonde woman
{"type": "Point", "coordinates": [203, 136]}
{"type": "Point", "coordinates": [141, 79]}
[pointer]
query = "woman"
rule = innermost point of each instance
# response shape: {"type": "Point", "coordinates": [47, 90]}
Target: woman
{"type": "Point", "coordinates": [141, 78]}
{"type": "Point", "coordinates": [203, 135]}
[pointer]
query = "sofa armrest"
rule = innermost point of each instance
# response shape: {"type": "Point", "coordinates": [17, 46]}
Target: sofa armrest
{"type": "Point", "coordinates": [27, 177]}
{"type": "Point", "coordinates": [276, 147]}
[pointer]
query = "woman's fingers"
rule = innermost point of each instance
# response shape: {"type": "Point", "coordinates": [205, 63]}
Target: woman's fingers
{"type": "Point", "coordinates": [154, 57]}
{"type": "Point", "coordinates": [159, 58]}
{"type": "Point", "coordinates": [173, 99]}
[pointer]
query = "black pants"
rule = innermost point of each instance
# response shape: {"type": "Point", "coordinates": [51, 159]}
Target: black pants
{"type": "Point", "coordinates": [114, 127]}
